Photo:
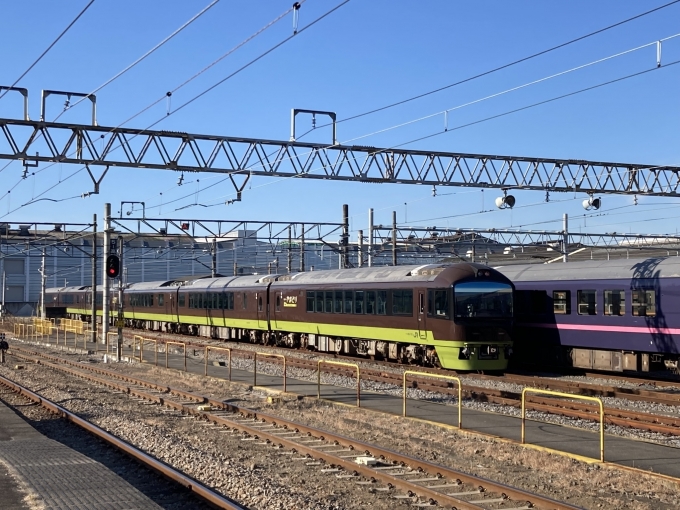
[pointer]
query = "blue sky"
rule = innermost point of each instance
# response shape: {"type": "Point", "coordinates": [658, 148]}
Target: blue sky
{"type": "Point", "coordinates": [363, 56]}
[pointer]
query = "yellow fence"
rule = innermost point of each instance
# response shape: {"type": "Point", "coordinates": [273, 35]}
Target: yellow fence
{"type": "Point", "coordinates": [437, 376]}
{"type": "Point", "coordinates": [210, 348]}
{"type": "Point", "coordinates": [565, 395]}
{"type": "Point", "coordinates": [338, 363]}
{"type": "Point", "coordinates": [184, 346]}
{"type": "Point", "coordinates": [155, 350]}
{"type": "Point", "coordinates": [268, 355]}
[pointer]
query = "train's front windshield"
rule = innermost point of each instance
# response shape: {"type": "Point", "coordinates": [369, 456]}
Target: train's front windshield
{"type": "Point", "coordinates": [482, 299]}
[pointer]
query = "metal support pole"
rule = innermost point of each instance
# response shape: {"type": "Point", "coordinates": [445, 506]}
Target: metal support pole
{"type": "Point", "coordinates": [43, 279]}
{"type": "Point", "coordinates": [370, 237]}
{"type": "Point", "coordinates": [345, 236]}
{"type": "Point", "coordinates": [93, 326]}
{"type": "Point", "coordinates": [119, 347]}
{"type": "Point", "coordinates": [289, 267]}
{"type": "Point", "coordinates": [213, 253]}
{"type": "Point", "coordinates": [105, 278]}
{"type": "Point", "coordinates": [302, 249]}
{"type": "Point", "coordinates": [394, 238]}
{"type": "Point", "coordinates": [565, 238]}
{"type": "Point", "coordinates": [360, 251]}
{"type": "Point", "coordinates": [4, 286]}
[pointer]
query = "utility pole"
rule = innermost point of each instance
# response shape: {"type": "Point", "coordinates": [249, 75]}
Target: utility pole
{"type": "Point", "coordinates": [4, 286]}
{"type": "Point", "coordinates": [105, 278]}
{"type": "Point", "coordinates": [43, 280]}
{"type": "Point", "coordinates": [302, 249]}
{"type": "Point", "coordinates": [213, 252]}
{"type": "Point", "coordinates": [119, 322]}
{"type": "Point", "coordinates": [565, 238]}
{"type": "Point", "coordinates": [370, 237]}
{"type": "Point", "coordinates": [360, 252]}
{"type": "Point", "coordinates": [290, 251]}
{"type": "Point", "coordinates": [345, 236]}
{"type": "Point", "coordinates": [394, 238]}
{"type": "Point", "coordinates": [93, 327]}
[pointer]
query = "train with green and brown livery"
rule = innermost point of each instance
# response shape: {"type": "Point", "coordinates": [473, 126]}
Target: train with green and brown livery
{"type": "Point", "coordinates": [455, 316]}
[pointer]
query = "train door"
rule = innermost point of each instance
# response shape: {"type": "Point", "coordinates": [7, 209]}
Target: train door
{"type": "Point", "coordinates": [260, 306]}
{"type": "Point", "coordinates": [422, 326]}
{"type": "Point", "coordinates": [276, 307]}
{"type": "Point", "coordinates": [172, 306]}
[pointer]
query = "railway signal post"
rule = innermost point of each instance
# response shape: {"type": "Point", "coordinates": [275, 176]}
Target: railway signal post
{"type": "Point", "coordinates": [120, 321]}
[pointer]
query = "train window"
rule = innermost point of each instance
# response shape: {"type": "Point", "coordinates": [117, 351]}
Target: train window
{"type": "Point", "coordinates": [370, 302]}
{"type": "Point", "coordinates": [244, 303]}
{"type": "Point", "coordinates": [160, 299]}
{"type": "Point", "coordinates": [349, 301]}
{"type": "Point", "coordinates": [328, 307]}
{"type": "Point", "coordinates": [319, 302]}
{"type": "Point", "coordinates": [438, 303]}
{"type": "Point", "coordinates": [337, 302]}
{"type": "Point", "coordinates": [587, 302]}
{"type": "Point", "coordinates": [562, 302]}
{"type": "Point", "coordinates": [615, 302]}
{"type": "Point", "coordinates": [216, 305]}
{"type": "Point", "coordinates": [278, 302]}
{"type": "Point", "coordinates": [644, 303]}
{"type": "Point", "coordinates": [181, 300]}
{"type": "Point", "coordinates": [310, 300]}
{"type": "Point", "coordinates": [381, 308]}
{"type": "Point", "coordinates": [230, 300]}
{"type": "Point", "coordinates": [359, 301]}
{"type": "Point", "coordinates": [259, 303]}
{"type": "Point", "coordinates": [402, 302]}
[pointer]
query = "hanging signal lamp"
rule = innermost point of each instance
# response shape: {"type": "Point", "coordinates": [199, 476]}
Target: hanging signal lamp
{"type": "Point", "coordinates": [506, 201]}
{"type": "Point", "coordinates": [592, 203]}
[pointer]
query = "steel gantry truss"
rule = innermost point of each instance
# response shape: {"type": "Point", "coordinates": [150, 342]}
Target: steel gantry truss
{"type": "Point", "coordinates": [34, 142]}
{"type": "Point", "coordinates": [480, 243]}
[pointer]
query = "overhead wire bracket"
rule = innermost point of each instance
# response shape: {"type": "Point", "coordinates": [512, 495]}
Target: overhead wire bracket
{"type": "Point", "coordinates": [96, 182]}
{"type": "Point", "coordinates": [45, 93]}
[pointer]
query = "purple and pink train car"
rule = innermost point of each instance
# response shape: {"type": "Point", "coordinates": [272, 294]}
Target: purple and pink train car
{"type": "Point", "coordinates": [606, 315]}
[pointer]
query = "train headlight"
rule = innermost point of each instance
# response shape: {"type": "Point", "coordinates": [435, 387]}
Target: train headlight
{"type": "Point", "coordinates": [464, 353]}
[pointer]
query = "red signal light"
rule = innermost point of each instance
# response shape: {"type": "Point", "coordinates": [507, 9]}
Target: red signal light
{"type": "Point", "coordinates": [112, 266]}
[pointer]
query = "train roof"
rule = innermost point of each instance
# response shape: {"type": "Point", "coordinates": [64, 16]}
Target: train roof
{"type": "Point", "coordinates": [627, 269]}
{"type": "Point", "coordinates": [383, 274]}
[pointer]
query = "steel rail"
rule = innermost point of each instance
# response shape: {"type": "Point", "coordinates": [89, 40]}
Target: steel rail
{"type": "Point", "coordinates": [176, 476]}
{"type": "Point", "coordinates": [630, 419]}
{"type": "Point", "coordinates": [397, 459]}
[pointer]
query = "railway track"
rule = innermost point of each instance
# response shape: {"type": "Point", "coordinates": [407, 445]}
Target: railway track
{"type": "Point", "coordinates": [644, 421]}
{"type": "Point", "coordinates": [214, 499]}
{"type": "Point", "coordinates": [394, 475]}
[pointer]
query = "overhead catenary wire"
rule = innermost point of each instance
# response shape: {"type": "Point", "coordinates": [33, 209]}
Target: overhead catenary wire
{"type": "Point", "coordinates": [486, 119]}
{"type": "Point", "coordinates": [242, 68]}
{"type": "Point", "coordinates": [215, 85]}
{"type": "Point", "coordinates": [514, 89]}
{"type": "Point", "coordinates": [506, 66]}
{"type": "Point", "coordinates": [35, 62]}
{"type": "Point", "coordinates": [128, 68]}
{"type": "Point", "coordinates": [212, 64]}
{"type": "Point", "coordinates": [143, 57]}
